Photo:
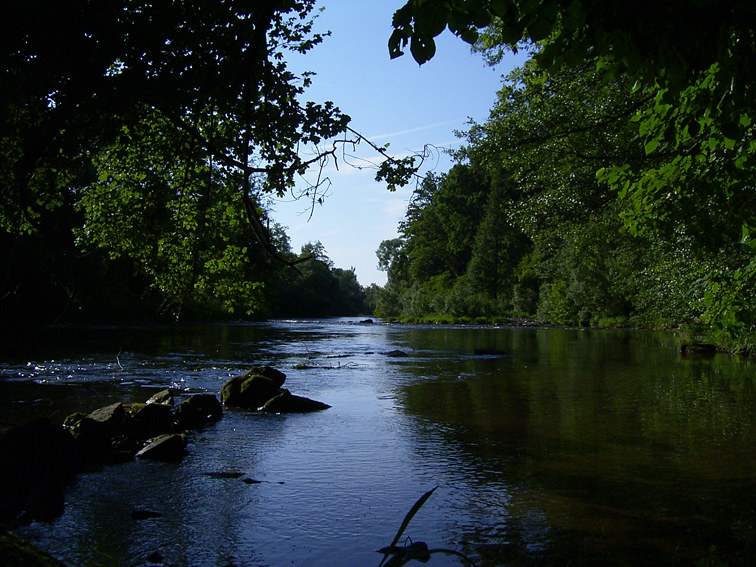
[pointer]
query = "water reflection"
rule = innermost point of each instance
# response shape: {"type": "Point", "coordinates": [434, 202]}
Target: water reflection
{"type": "Point", "coordinates": [596, 445]}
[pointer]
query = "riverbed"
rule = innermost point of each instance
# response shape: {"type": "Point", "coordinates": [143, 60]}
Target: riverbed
{"type": "Point", "coordinates": [548, 446]}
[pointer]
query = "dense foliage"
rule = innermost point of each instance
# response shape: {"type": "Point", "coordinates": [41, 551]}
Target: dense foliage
{"type": "Point", "coordinates": [521, 226]}
{"type": "Point", "coordinates": [629, 140]}
{"type": "Point", "coordinates": [137, 144]}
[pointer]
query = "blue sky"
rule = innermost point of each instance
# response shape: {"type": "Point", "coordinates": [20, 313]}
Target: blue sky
{"type": "Point", "coordinates": [396, 102]}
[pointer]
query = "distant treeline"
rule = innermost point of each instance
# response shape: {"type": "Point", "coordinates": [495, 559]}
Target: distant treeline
{"type": "Point", "coordinates": [48, 278]}
{"type": "Point", "coordinates": [524, 226]}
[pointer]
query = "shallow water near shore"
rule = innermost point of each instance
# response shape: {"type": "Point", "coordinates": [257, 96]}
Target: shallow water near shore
{"type": "Point", "coordinates": [549, 446]}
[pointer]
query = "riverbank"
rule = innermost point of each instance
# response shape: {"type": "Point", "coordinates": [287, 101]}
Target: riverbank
{"type": "Point", "coordinates": [445, 319]}
{"type": "Point", "coordinates": [691, 338]}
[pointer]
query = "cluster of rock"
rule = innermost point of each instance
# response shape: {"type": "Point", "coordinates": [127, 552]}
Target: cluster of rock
{"type": "Point", "coordinates": [261, 389]}
{"type": "Point", "coordinates": [153, 430]}
{"type": "Point", "coordinates": [38, 458]}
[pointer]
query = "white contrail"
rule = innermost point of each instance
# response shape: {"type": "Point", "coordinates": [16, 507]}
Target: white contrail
{"type": "Point", "coordinates": [411, 131]}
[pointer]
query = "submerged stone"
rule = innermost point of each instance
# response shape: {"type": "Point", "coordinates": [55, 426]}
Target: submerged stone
{"type": "Point", "coordinates": [224, 474]}
{"type": "Point", "coordinates": [36, 459]}
{"type": "Point", "coordinates": [286, 402]}
{"type": "Point", "coordinates": [396, 353]}
{"type": "Point", "coordinates": [144, 515]}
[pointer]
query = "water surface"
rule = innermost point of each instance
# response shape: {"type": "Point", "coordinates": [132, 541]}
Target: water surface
{"type": "Point", "coordinates": [549, 446]}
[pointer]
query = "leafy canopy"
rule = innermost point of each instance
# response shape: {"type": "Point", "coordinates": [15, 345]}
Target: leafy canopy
{"type": "Point", "coordinates": [694, 60]}
{"type": "Point", "coordinates": [156, 129]}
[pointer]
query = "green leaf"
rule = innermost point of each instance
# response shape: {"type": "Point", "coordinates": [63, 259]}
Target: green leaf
{"type": "Point", "coordinates": [469, 35]}
{"type": "Point", "coordinates": [503, 7]}
{"type": "Point", "coordinates": [397, 40]}
{"type": "Point", "coordinates": [422, 47]}
{"type": "Point", "coordinates": [651, 145]}
{"type": "Point", "coordinates": [431, 21]}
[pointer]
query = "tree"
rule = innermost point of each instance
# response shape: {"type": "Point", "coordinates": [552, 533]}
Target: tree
{"type": "Point", "coordinates": [316, 288]}
{"type": "Point", "coordinates": [180, 111]}
{"type": "Point", "coordinates": [550, 131]}
{"type": "Point", "coordinates": [441, 222]}
{"type": "Point", "coordinates": [673, 42]}
{"type": "Point", "coordinates": [99, 67]}
{"type": "Point", "coordinates": [392, 259]}
{"type": "Point", "coordinates": [497, 249]}
{"type": "Point", "coordinates": [693, 60]}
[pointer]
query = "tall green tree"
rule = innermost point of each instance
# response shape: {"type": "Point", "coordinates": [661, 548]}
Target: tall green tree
{"type": "Point", "coordinates": [442, 220]}
{"type": "Point", "coordinates": [497, 249]}
{"type": "Point", "coordinates": [551, 131]}
{"type": "Point", "coordinates": [694, 61]}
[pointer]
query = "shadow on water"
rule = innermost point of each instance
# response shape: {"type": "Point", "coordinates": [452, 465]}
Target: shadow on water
{"type": "Point", "coordinates": [592, 448]}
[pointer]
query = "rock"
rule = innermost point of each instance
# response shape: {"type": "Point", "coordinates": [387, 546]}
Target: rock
{"type": "Point", "coordinates": [112, 416]}
{"type": "Point", "coordinates": [36, 459]}
{"type": "Point", "coordinates": [224, 474]}
{"type": "Point", "coordinates": [367, 322]}
{"type": "Point", "coordinates": [269, 372]}
{"type": "Point", "coordinates": [113, 434]}
{"type": "Point", "coordinates": [93, 438]}
{"type": "Point", "coordinates": [73, 419]}
{"type": "Point", "coordinates": [163, 398]}
{"type": "Point", "coordinates": [198, 410]}
{"type": "Point", "coordinates": [139, 515]}
{"type": "Point", "coordinates": [148, 420]}
{"type": "Point", "coordinates": [253, 389]}
{"type": "Point", "coordinates": [489, 352]}
{"type": "Point", "coordinates": [396, 353]}
{"type": "Point", "coordinates": [286, 402]}
{"type": "Point", "coordinates": [168, 448]}
{"type": "Point", "coordinates": [103, 441]}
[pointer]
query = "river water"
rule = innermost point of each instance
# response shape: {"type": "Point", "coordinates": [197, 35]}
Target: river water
{"type": "Point", "coordinates": [548, 446]}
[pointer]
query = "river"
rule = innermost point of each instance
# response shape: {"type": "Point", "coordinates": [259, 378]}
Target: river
{"type": "Point", "coordinates": [548, 446]}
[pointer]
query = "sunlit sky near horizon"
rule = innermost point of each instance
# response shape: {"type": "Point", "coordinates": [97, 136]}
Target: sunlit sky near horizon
{"type": "Point", "coordinates": [390, 101]}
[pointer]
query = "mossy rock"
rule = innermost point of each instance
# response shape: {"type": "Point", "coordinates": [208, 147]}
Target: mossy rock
{"type": "Point", "coordinates": [269, 372]}
{"type": "Point", "coordinates": [111, 416]}
{"type": "Point", "coordinates": [163, 398]}
{"type": "Point", "coordinates": [253, 389]}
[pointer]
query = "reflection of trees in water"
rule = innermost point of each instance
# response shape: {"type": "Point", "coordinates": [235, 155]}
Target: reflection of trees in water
{"type": "Point", "coordinates": [605, 443]}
